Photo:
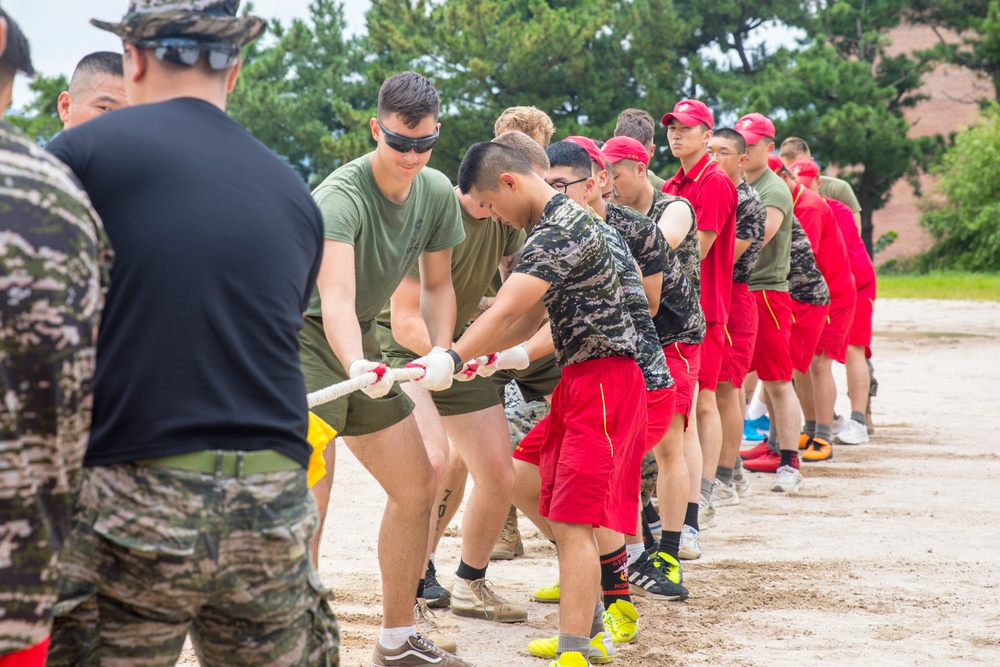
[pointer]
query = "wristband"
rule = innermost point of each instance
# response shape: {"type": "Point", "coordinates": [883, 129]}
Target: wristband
{"type": "Point", "coordinates": [454, 357]}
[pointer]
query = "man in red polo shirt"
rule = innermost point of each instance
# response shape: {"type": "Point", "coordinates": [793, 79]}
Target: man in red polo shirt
{"type": "Point", "coordinates": [831, 257]}
{"type": "Point", "coordinates": [713, 195]}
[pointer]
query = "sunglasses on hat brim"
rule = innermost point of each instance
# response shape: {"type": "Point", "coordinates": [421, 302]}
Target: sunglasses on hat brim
{"type": "Point", "coordinates": [181, 51]}
{"type": "Point", "coordinates": [401, 144]}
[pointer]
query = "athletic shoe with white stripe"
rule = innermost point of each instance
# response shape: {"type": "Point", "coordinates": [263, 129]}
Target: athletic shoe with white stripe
{"type": "Point", "coordinates": [647, 580]}
{"type": "Point", "coordinates": [417, 651]}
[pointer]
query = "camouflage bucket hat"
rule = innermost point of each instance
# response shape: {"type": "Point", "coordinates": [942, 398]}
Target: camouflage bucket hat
{"type": "Point", "coordinates": [216, 19]}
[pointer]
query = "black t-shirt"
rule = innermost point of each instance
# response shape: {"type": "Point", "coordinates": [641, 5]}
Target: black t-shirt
{"type": "Point", "coordinates": [217, 246]}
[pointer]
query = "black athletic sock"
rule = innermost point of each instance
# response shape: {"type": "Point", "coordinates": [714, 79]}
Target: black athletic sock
{"type": "Point", "coordinates": [420, 588]}
{"type": "Point", "coordinates": [647, 533]}
{"type": "Point", "coordinates": [466, 571]}
{"type": "Point", "coordinates": [614, 576]}
{"type": "Point", "coordinates": [670, 542]}
{"type": "Point", "coordinates": [691, 516]}
{"type": "Point", "coordinates": [789, 457]}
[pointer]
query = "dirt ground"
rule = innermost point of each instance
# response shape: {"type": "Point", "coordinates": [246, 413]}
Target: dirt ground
{"type": "Point", "coordinates": [889, 556]}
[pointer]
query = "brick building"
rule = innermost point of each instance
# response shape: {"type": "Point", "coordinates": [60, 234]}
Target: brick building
{"type": "Point", "coordinates": [953, 93]}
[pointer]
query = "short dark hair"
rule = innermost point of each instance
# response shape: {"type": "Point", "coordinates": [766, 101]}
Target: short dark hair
{"type": "Point", "coordinates": [17, 56]}
{"type": "Point", "coordinates": [729, 134]}
{"type": "Point", "coordinates": [410, 96]}
{"type": "Point", "coordinates": [568, 154]}
{"type": "Point", "coordinates": [484, 162]}
{"type": "Point", "coordinates": [638, 124]}
{"type": "Point", "coordinates": [99, 62]}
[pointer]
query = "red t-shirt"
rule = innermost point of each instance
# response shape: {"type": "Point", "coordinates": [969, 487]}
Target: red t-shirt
{"type": "Point", "coordinates": [827, 242]}
{"type": "Point", "coordinates": [713, 196]}
{"type": "Point", "coordinates": [857, 253]}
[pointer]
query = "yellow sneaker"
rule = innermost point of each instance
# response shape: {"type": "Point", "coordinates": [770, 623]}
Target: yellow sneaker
{"type": "Point", "coordinates": [602, 650]}
{"type": "Point", "coordinates": [570, 659]}
{"type": "Point", "coordinates": [547, 594]}
{"type": "Point", "coordinates": [622, 621]}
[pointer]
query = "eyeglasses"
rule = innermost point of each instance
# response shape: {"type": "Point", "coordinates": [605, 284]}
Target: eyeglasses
{"type": "Point", "coordinates": [221, 55]}
{"type": "Point", "coordinates": [562, 187]}
{"type": "Point", "coordinates": [401, 144]}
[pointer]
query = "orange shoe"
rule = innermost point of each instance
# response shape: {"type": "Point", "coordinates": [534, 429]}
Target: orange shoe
{"type": "Point", "coordinates": [804, 441]}
{"type": "Point", "coordinates": [819, 450]}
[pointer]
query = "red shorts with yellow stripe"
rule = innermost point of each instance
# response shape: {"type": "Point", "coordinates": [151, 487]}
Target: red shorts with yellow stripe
{"type": "Point", "coordinates": [684, 361]}
{"type": "Point", "coordinates": [808, 322]}
{"type": "Point", "coordinates": [861, 328]}
{"type": "Point", "coordinates": [737, 355]}
{"type": "Point", "coordinates": [712, 350]}
{"type": "Point", "coordinates": [772, 357]}
{"type": "Point", "coordinates": [589, 448]}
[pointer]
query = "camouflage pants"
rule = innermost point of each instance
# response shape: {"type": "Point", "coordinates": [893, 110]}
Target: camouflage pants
{"type": "Point", "coordinates": [38, 478]}
{"type": "Point", "coordinates": [649, 474]}
{"type": "Point", "coordinates": [156, 553]}
{"type": "Point", "coordinates": [521, 416]}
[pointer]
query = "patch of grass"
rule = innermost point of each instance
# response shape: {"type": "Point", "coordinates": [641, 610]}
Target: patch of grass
{"type": "Point", "coordinates": [940, 285]}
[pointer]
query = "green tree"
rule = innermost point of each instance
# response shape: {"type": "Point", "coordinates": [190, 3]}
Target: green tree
{"type": "Point", "coordinates": [964, 214]}
{"type": "Point", "coordinates": [40, 118]}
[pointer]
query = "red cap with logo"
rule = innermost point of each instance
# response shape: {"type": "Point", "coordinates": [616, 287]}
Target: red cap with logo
{"type": "Point", "coordinates": [754, 127]}
{"type": "Point", "coordinates": [690, 113]}
{"type": "Point", "coordinates": [625, 148]}
{"type": "Point", "coordinates": [588, 145]}
{"type": "Point", "coordinates": [775, 164]}
{"type": "Point", "coordinates": [805, 171]}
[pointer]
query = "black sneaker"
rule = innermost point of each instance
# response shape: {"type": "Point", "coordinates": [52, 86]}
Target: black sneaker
{"type": "Point", "coordinates": [437, 596]}
{"type": "Point", "coordinates": [646, 580]}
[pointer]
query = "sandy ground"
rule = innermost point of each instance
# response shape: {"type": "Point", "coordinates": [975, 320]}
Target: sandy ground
{"type": "Point", "coordinates": [890, 554]}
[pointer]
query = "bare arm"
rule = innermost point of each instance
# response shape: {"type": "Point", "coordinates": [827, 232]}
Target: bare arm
{"type": "Point", "coordinates": [336, 285]}
{"type": "Point", "coordinates": [675, 223]}
{"type": "Point", "coordinates": [775, 216]}
{"type": "Point", "coordinates": [437, 297]}
{"type": "Point", "coordinates": [541, 343]}
{"type": "Point", "coordinates": [519, 296]}
{"type": "Point", "coordinates": [706, 239]}
{"type": "Point", "coordinates": [408, 327]}
{"type": "Point", "coordinates": [741, 247]}
{"type": "Point", "coordinates": [652, 286]}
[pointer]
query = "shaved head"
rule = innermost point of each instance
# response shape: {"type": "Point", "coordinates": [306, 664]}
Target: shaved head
{"type": "Point", "coordinates": [96, 88]}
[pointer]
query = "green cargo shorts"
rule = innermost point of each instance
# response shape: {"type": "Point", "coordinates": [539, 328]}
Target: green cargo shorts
{"type": "Point", "coordinates": [536, 381]}
{"type": "Point", "coordinates": [357, 413]}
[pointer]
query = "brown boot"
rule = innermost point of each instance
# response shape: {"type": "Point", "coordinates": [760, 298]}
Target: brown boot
{"type": "Point", "coordinates": [509, 545]}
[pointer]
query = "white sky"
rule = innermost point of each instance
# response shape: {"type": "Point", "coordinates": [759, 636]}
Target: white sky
{"type": "Point", "coordinates": [60, 32]}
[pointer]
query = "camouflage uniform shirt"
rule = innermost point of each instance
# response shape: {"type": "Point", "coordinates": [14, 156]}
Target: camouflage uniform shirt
{"type": "Point", "coordinates": [689, 251]}
{"type": "Point", "coordinates": [567, 249]}
{"type": "Point", "coordinates": [679, 318]}
{"type": "Point", "coordinates": [805, 282]}
{"type": "Point", "coordinates": [52, 255]}
{"type": "Point", "coordinates": [750, 218]}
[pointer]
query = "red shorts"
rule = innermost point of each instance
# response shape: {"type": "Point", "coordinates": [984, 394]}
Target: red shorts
{"type": "Point", "coordinates": [659, 413]}
{"type": "Point", "coordinates": [808, 322]}
{"type": "Point", "coordinates": [712, 349]}
{"type": "Point", "coordinates": [30, 657]}
{"type": "Point", "coordinates": [861, 328]}
{"type": "Point", "coordinates": [833, 342]}
{"type": "Point", "coordinates": [772, 356]}
{"type": "Point", "coordinates": [589, 448]}
{"type": "Point", "coordinates": [683, 360]}
{"type": "Point", "coordinates": [742, 330]}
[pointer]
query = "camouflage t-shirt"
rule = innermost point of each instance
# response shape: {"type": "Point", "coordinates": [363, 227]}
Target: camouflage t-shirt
{"type": "Point", "coordinates": [679, 318]}
{"type": "Point", "coordinates": [805, 282]}
{"type": "Point", "coordinates": [689, 251]}
{"type": "Point", "coordinates": [750, 218]}
{"type": "Point", "coordinates": [650, 357]}
{"type": "Point", "coordinates": [568, 250]}
{"type": "Point", "coordinates": [54, 258]}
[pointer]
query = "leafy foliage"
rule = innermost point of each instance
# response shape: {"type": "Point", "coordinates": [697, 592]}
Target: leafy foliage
{"type": "Point", "coordinates": [40, 119]}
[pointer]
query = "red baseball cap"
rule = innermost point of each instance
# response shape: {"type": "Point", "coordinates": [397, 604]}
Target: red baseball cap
{"type": "Point", "coordinates": [805, 171]}
{"type": "Point", "coordinates": [754, 127]}
{"type": "Point", "coordinates": [774, 163]}
{"type": "Point", "coordinates": [690, 113]}
{"type": "Point", "coordinates": [625, 148]}
{"type": "Point", "coordinates": [588, 145]}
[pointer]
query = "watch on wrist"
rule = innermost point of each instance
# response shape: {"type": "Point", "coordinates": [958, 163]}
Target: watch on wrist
{"type": "Point", "coordinates": [454, 357]}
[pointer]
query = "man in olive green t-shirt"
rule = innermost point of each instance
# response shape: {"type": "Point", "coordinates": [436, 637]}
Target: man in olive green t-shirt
{"type": "Point", "coordinates": [794, 148]}
{"type": "Point", "coordinates": [382, 213]}
{"type": "Point", "coordinates": [769, 284]}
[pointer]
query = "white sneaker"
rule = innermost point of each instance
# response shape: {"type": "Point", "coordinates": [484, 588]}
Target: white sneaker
{"type": "Point", "coordinates": [852, 433]}
{"type": "Point", "coordinates": [724, 495]}
{"type": "Point", "coordinates": [789, 480]}
{"type": "Point", "coordinates": [706, 514]}
{"type": "Point", "coordinates": [742, 486]}
{"type": "Point", "coordinates": [689, 549]}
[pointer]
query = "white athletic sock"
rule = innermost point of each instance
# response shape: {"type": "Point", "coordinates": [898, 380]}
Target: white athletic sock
{"type": "Point", "coordinates": [757, 407]}
{"type": "Point", "coordinates": [432, 557]}
{"type": "Point", "coordinates": [395, 637]}
{"type": "Point", "coordinates": [634, 551]}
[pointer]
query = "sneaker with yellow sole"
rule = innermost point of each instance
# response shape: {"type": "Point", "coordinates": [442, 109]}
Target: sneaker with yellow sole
{"type": "Point", "coordinates": [602, 648]}
{"type": "Point", "coordinates": [622, 621]}
{"type": "Point", "coordinates": [570, 659]}
{"type": "Point", "coordinates": [548, 594]}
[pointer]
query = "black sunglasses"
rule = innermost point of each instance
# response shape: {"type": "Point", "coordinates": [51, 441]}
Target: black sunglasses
{"type": "Point", "coordinates": [221, 55]}
{"type": "Point", "coordinates": [401, 144]}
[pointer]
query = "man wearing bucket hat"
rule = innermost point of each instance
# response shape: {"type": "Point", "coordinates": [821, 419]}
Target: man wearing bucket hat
{"type": "Point", "coordinates": [194, 515]}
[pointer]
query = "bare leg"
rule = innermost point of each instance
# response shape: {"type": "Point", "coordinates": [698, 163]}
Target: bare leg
{"type": "Point", "coordinates": [824, 388]}
{"type": "Point", "coordinates": [731, 406]}
{"type": "Point", "coordinates": [858, 378]}
{"type": "Point", "coordinates": [785, 413]}
{"type": "Point", "coordinates": [484, 443]}
{"type": "Point", "coordinates": [709, 432]}
{"type": "Point", "coordinates": [450, 498]}
{"type": "Point", "coordinates": [579, 577]}
{"type": "Point", "coordinates": [672, 482]}
{"type": "Point", "coordinates": [527, 488]}
{"type": "Point", "coordinates": [807, 399]}
{"type": "Point", "coordinates": [321, 492]}
{"type": "Point", "coordinates": [435, 441]}
{"type": "Point", "coordinates": [397, 459]}
{"type": "Point", "coordinates": [692, 455]}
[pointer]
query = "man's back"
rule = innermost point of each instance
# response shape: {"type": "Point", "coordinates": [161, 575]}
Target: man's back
{"type": "Point", "coordinates": [218, 244]}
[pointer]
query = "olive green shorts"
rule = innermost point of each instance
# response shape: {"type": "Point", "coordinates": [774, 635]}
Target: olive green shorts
{"type": "Point", "coordinates": [536, 381]}
{"type": "Point", "coordinates": [357, 413]}
{"type": "Point", "coordinates": [461, 398]}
